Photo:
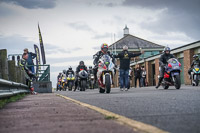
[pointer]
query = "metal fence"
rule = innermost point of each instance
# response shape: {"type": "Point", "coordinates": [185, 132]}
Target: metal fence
{"type": "Point", "coordinates": [9, 88]}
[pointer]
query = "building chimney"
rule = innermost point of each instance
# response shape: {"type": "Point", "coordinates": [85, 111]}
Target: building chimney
{"type": "Point", "coordinates": [126, 31]}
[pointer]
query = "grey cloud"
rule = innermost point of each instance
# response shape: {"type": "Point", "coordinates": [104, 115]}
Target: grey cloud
{"type": "Point", "coordinates": [15, 44]}
{"type": "Point", "coordinates": [81, 26]}
{"type": "Point", "coordinates": [180, 16]}
{"type": "Point", "coordinates": [33, 4]}
{"type": "Point", "coordinates": [99, 36]}
{"type": "Point", "coordinates": [69, 59]}
{"type": "Point", "coordinates": [49, 49]}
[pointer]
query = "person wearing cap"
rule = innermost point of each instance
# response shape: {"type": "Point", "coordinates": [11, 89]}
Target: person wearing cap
{"type": "Point", "coordinates": [29, 60]}
{"type": "Point", "coordinates": [163, 62]}
{"type": "Point", "coordinates": [125, 57]}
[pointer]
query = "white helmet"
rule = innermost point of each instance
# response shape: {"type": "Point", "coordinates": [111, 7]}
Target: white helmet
{"type": "Point", "coordinates": [125, 47]}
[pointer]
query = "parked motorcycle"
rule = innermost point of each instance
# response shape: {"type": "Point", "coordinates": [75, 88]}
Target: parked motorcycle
{"type": "Point", "coordinates": [82, 80]}
{"type": "Point", "coordinates": [105, 74]}
{"type": "Point", "coordinates": [172, 74]}
{"type": "Point", "coordinates": [70, 81]}
{"type": "Point", "coordinates": [195, 75]}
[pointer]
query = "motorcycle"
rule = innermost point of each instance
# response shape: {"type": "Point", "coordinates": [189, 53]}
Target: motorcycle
{"type": "Point", "coordinates": [105, 74]}
{"type": "Point", "coordinates": [195, 75]}
{"type": "Point", "coordinates": [59, 87]}
{"type": "Point", "coordinates": [129, 78]}
{"type": "Point", "coordinates": [172, 74]}
{"type": "Point", "coordinates": [64, 83]}
{"type": "Point", "coordinates": [70, 81]}
{"type": "Point", "coordinates": [91, 81]}
{"type": "Point", "coordinates": [82, 80]}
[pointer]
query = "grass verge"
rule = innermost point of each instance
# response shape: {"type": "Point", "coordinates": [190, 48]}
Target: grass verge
{"type": "Point", "coordinates": [3, 102]}
{"type": "Point", "coordinates": [110, 117]}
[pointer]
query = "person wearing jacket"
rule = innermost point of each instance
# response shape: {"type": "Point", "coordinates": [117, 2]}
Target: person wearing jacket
{"type": "Point", "coordinates": [98, 55]}
{"type": "Point", "coordinates": [125, 57]}
{"type": "Point", "coordinates": [138, 75]}
{"type": "Point", "coordinates": [29, 60]}
{"type": "Point", "coordinates": [163, 62]}
{"type": "Point", "coordinates": [80, 67]}
{"type": "Point", "coordinates": [195, 61]}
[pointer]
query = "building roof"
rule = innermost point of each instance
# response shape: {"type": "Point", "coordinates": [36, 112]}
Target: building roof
{"type": "Point", "coordinates": [134, 42]}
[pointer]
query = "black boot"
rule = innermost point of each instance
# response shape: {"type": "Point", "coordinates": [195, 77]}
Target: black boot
{"type": "Point", "coordinates": [159, 82]}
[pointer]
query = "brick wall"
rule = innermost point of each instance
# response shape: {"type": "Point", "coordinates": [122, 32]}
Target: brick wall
{"type": "Point", "coordinates": [156, 70]}
{"type": "Point", "coordinates": [187, 63]}
{"type": "Point", "coordinates": [149, 77]}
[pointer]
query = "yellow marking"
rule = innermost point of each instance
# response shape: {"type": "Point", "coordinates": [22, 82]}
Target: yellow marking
{"type": "Point", "coordinates": [135, 125]}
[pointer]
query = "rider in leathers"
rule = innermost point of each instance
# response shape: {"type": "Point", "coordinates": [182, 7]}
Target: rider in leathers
{"type": "Point", "coordinates": [80, 67]}
{"type": "Point", "coordinates": [163, 62]}
{"type": "Point", "coordinates": [195, 61]}
{"type": "Point", "coordinates": [69, 71]}
{"type": "Point", "coordinates": [99, 54]}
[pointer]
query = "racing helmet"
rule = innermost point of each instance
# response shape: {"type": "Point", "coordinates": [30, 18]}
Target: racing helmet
{"type": "Point", "coordinates": [70, 68]}
{"type": "Point", "coordinates": [104, 47]}
{"type": "Point", "coordinates": [167, 49]}
{"type": "Point", "coordinates": [81, 63]}
{"type": "Point", "coordinates": [64, 71]}
{"type": "Point", "coordinates": [196, 57]}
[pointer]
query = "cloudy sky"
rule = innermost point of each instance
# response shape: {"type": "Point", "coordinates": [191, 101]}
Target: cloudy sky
{"type": "Point", "coordinates": [73, 30]}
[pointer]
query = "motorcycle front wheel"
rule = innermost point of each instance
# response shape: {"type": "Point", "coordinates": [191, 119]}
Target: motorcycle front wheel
{"type": "Point", "coordinates": [83, 85]}
{"type": "Point", "coordinates": [177, 81]}
{"type": "Point", "coordinates": [196, 80]}
{"type": "Point", "coordinates": [107, 83]}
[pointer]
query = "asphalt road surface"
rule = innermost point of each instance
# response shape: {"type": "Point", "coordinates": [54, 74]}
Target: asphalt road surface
{"type": "Point", "coordinates": [176, 111]}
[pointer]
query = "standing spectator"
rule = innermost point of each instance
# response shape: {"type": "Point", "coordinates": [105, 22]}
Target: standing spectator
{"type": "Point", "coordinates": [125, 58]}
{"type": "Point", "coordinates": [137, 75]}
{"type": "Point", "coordinates": [143, 77]}
{"type": "Point", "coordinates": [29, 60]}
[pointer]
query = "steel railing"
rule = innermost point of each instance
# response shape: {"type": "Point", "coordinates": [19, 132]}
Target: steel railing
{"type": "Point", "coordinates": [9, 88]}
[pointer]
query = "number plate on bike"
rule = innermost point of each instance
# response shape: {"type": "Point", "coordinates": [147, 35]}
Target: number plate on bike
{"type": "Point", "coordinates": [176, 73]}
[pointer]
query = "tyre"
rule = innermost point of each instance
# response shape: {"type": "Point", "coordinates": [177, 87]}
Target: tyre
{"type": "Point", "coordinates": [107, 83]}
{"type": "Point", "coordinates": [101, 90]}
{"type": "Point", "coordinates": [166, 87]}
{"type": "Point", "coordinates": [197, 80]}
{"type": "Point", "coordinates": [177, 81]}
{"type": "Point", "coordinates": [92, 84]}
{"type": "Point", "coordinates": [128, 83]}
{"type": "Point", "coordinates": [83, 85]}
{"type": "Point", "coordinates": [70, 86]}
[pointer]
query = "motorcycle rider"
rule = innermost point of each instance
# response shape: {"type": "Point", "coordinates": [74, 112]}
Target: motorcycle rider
{"type": "Point", "coordinates": [80, 67]}
{"type": "Point", "coordinates": [163, 62]}
{"type": "Point", "coordinates": [195, 61]}
{"type": "Point", "coordinates": [99, 54]}
{"type": "Point", "coordinates": [69, 71]}
{"type": "Point", "coordinates": [29, 75]}
{"type": "Point", "coordinates": [90, 70]}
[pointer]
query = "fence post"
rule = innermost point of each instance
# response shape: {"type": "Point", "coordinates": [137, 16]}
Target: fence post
{"type": "Point", "coordinates": [12, 70]}
{"type": "Point", "coordinates": [18, 71]}
{"type": "Point", "coordinates": [3, 64]}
